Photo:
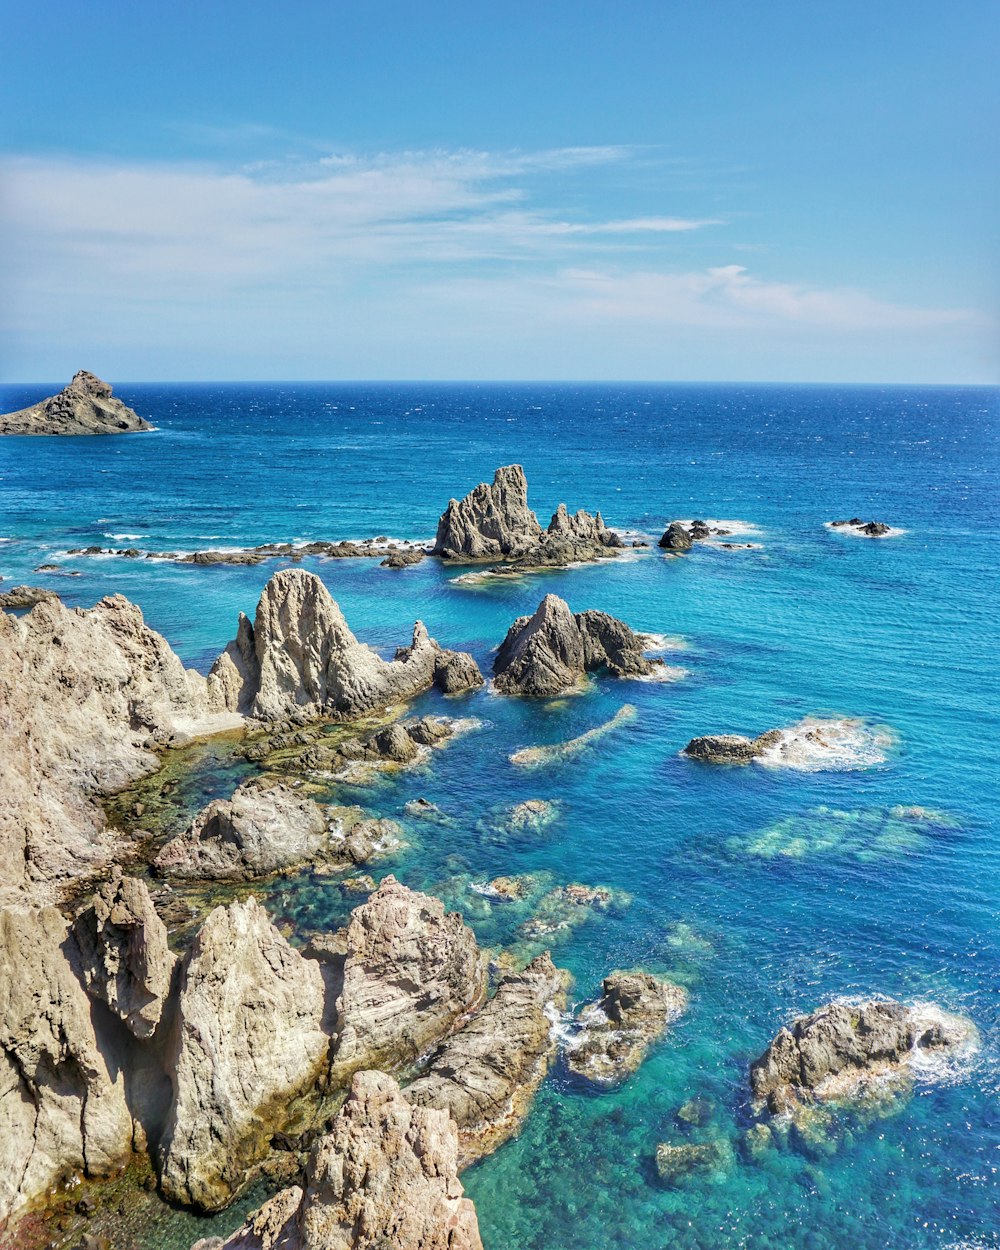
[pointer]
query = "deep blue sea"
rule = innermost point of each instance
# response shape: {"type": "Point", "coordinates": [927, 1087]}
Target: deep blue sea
{"type": "Point", "coordinates": [764, 891]}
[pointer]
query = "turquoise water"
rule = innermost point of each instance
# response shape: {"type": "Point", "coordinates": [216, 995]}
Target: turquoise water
{"type": "Point", "coordinates": [740, 884]}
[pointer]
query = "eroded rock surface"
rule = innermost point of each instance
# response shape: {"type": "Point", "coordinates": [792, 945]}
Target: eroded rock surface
{"type": "Point", "coordinates": [25, 596]}
{"type": "Point", "coordinates": [85, 406]}
{"type": "Point", "coordinates": [411, 974]}
{"type": "Point", "coordinates": [486, 1075]}
{"type": "Point", "coordinates": [732, 748]}
{"type": "Point", "coordinates": [616, 1031]}
{"type": "Point", "coordinates": [249, 1051]}
{"type": "Point", "coordinates": [548, 653]}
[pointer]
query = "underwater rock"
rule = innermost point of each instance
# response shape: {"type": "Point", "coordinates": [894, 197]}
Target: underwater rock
{"type": "Point", "coordinates": [537, 757]}
{"type": "Point", "coordinates": [731, 748]}
{"type": "Point", "coordinates": [548, 653]}
{"type": "Point", "coordinates": [411, 974]}
{"type": "Point", "coordinates": [424, 809]}
{"type": "Point", "coordinates": [562, 910]}
{"type": "Point", "coordinates": [494, 522]}
{"type": "Point", "coordinates": [124, 956]}
{"type": "Point", "coordinates": [62, 1095]}
{"type": "Point", "coordinates": [265, 827]}
{"type": "Point", "coordinates": [300, 657]}
{"type": "Point", "coordinates": [532, 815]}
{"type": "Point", "coordinates": [865, 834]}
{"type": "Point", "coordinates": [384, 1178]}
{"type": "Point", "coordinates": [678, 1160]}
{"type": "Point", "coordinates": [249, 1049]}
{"type": "Point", "coordinates": [837, 1051]}
{"type": "Point", "coordinates": [616, 1031]}
{"type": "Point", "coordinates": [486, 1075]}
{"type": "Point", "coordinates": [25, 596]}
{"type": "Point", "coordinates": [85, 406]}
{"type": "Point", "coordinates": [508, 889]}
{"type": "Point", "coordinates": [88, 696]}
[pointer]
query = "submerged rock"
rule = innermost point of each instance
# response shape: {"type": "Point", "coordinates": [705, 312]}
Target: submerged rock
{"type": "Point", "coordinates": [839, 1050]}
{"type": "Point", "coordinates": [548, 653]}
{"type": "Point", "coordinates": [384, 1178]}
{"type": "Point", "coordinates": [410, 975]}
{"type": "Point", "coordinates": [616, 1031]}
{"type": "Point", "coordinates": [264, 828]}
{"type": "Point", "coordinates": [299, 657]}
{"type": "Point", "coordinates": [249, 1051]}
{"type": "Point", "coordinates": [537, 757]}
{"type": "Point", "coordinates": [486, 1075]}
{"type": "Point", "coordinates": [85, 406]}
{"type": "Point", "coordinates": [677, 1160]}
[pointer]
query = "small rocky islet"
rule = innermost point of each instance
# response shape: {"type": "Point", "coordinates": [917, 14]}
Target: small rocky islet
{"type": "Point", "coordinates": [360, 1075]}
{"type": "Point", "coordinates": [86, 406]}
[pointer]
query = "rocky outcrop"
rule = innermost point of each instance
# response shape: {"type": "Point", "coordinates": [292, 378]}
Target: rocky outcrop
{"type": "Point", "coordinates": [384, 1178]}
{"type": "Point", "coordinates": [486, 1075]}
{"type": "Point", "coordinates": [25, 596]}
{"type": "Point", "coordinates": [837, 1051]}
{"type": "Point", "coordinates": [411, 975]}
{"type": "Point", "coordinates": [732, 748]}
{"type": "Point", "coordinates": [123, 953]}
{"type": "Point", "coordinates": [680, 536]}
{"type": "Point", "coordinates": [86, 696]}
{"type": "Point", "coordinates": [870, 529]}
{"type": "Point", "coordinates": [249, 1049]}
{"type": "Point", "coordinates": [62, 1095]}
{"type": "Point", "coordinates": [616, 1031]}
{"type": "Point", "coordinates": [494, 522]}
{"type": "Point", "coordinates": [86, 406]}
{"type": "Point", "coordinates": [264, 828]}
{"type": "Point", "coordinates": [548, 653]}
{"type": "Point", "coordinates": [300, 657]}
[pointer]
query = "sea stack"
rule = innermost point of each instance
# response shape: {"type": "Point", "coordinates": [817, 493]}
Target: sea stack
{"type": "Point", "coordinates": [86, 406]}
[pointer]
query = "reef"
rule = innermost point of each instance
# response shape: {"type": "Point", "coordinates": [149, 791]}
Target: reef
{"type": "Point", "coordinates": [86, 406]}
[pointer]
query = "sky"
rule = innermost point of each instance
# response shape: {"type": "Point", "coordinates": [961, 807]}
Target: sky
{"type": "Point", "coordinates": [647, 190]}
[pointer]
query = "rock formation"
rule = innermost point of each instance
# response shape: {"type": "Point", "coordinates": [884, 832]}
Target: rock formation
{"type": "Point", "coordinates": [86, 697]}
{"type": "Point", "coordinates": [263, 828]}
{"type": "Point", "coordinates": [300, 657]}
{"type": "Point", "coordinates": [124, 957]}
{"type": "Point", "coordinates": [86, 406]}
{"type": "Point", "coordinates": [384, 1178]}
{"type": "Point", "coordinates": [680, 536]}
{"type": "Point", "coordinates": [62, 1095]}
{"type": "Point", "coordinates": [870, 529]}
{"type": "Point", "coordinates": [25, 596]}
{"type": "Point", "coordinates": [732, 748]}
{"type": "Point", "coordinates": [494, 522]}
{"type": "Point", "coordinates": [835, 1051]}
{"type": "Point", "coordinates": [248, 1052]}
{"type": "Point", "coordinates": [548, 653]}
{"type": "Point", "coordinates": [411, 974]}
{"type": "Point", "coordinates": [486, 1075]}
{"type": "Point", "coordinates": [616, 1031]}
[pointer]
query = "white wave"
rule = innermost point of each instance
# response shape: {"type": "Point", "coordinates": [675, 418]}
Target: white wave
{"type": "Point", "coordinates": [856, 531]}
{"type": "Point", "coordinates": [656, 644]}
{"type": "Point", "coordinates": [942, 1067]}
{"type": "Point", "coordinates": [734, 528]}
{"type": "Point", "coordinates": [665, 673]}
{"type": "Point", "coordinates": [562, 1026]}
{"type": "Point", "coordinates": [124, 538]}
{"type": "Point", "coordinates": [841, 745]}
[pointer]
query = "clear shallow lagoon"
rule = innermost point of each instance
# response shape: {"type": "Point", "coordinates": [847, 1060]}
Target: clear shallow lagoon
{"type": "Point", "coordinates": [744, 885]}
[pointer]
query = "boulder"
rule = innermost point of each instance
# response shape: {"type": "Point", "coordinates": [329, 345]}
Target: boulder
{"type": "Point", "coordinates": [264, 828]}
{"type": "Point", "coordinates": [123, 953]}
{"type": "Point", "coordinates": [616, 1031]}
{"type": "Point", "coordinates": [676, 538]}
{"type": "Point", "coordinates": [247, 1055]}
{"type": "Point", "coordinates": [676, 1161]}
{"type": "Point", "coordinates": [411, 975]}
{"type": "Point", "coordinates": [835, 1051]}
{"type": "Point", "coordinates": [456, 672]}
{"type": "Point", "coordinates": [548, 653]}
{"type": "Point", "coordinates": [731, 748]}
{"type": "Point", "coordinates": [85, 406]}
{"type": "Point", "coordinates": [485, 1076]}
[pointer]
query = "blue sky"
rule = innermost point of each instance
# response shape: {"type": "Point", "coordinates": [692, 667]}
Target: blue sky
{"type": "Point", "coordinates": [779, 191]}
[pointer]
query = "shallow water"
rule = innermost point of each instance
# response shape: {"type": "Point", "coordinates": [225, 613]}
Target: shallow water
{"type": "Point", "coordinates": [737, 882]}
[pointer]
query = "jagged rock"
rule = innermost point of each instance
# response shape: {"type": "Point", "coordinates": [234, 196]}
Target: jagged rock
{"type": "Point", "coordinates": [62, 1096]}
{"type": "Point", "coordinates": [486, 1075]}
{"type": "Point", "coordinates": [411, 974]}
{"type": "Point", "coordinates": [731, 748]}
{"type": "Point", "coordinates": [25, 596]}
{"type": "Point", "coordinates": [403, 559]}
{"type": "Point", "coordinates": [676, 538]}
{"type": "Point", "coordinates": [124, 956]}
{"type": "Point", "coordinates": [384, 1178]}
{"type": "Point", "coordinates": [548, 653]}
{"type": "Point", "coordinates": [263, 828]}
{"type": "Point", "coordinates": [455, 672]}
{"type": "Point", "coordinates": [494, 521]}
{"type": "Point", "coordinates": [299, 656]}
{"type": "Point", "coordinates": [87, 697]}
{"type": "Point", "coordinates": [616, 1031]}
{"type": "Point", "coordinates": [86, 406]}
{"type": "Point", "coordinates": [249, 1049]}
{"type": "Point", "coordinates": [870, 529]}
{"type": "Point", "coordinates": [835, 1051]}
{"type": "Point", "coordinates": [367, 839]}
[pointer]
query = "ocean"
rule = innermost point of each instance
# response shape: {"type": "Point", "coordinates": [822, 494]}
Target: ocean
{"type": "Point", "coordinates": [765, 891]}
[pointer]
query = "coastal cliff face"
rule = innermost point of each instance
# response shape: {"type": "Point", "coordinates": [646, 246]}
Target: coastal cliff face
{"type": "Point", "coordinates": [86, 406]}
{"type": "Point", "coordinates": [300, 657]}
{"type": "Point", "coordinates": [86, 696]}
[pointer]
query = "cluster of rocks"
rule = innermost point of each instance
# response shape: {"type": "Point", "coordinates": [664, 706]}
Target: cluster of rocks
{"type": "Point", "coordinates": [680, 536]}
{"type": "Point", "coordinates": [548, 653]}
{"type": "Point", "coordinates": [494, 522]}
{"type": "Point", "coordinates": [870, 529]}
{"type": "Point", "coordinates": [394, 555]}
{"type": "Point", "coordinates": [86, 406]}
